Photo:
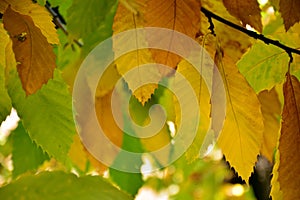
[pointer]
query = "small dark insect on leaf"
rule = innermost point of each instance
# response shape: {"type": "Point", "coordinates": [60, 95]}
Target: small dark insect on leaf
{"type": "Point", "coordinates": [21, 37]}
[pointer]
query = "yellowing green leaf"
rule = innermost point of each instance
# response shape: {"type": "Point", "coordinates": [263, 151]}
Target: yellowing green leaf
{"type": "Point", "coordinates": [180, 15]}
{"type": "Point", "coordinates": [289, 142]}
{"type": "Point", "coordinates": [290, 12]}
{"type": "Point", "coordinates": [242, 134]}
{"type": "Point", "coordinates": [126, 20]}
{"type": "Point", "coordinates": [263, 66]}
{"type": "Point", "coordinates": [271, 110]}
{"type": "Point", "coordinates": [5, 103]}
{"type": "Point", "coordinates": [40, 16]}
{"type": "Point", "coordinates": [34, 55]}
{"type": "Point", "coordinates": [247, 11]}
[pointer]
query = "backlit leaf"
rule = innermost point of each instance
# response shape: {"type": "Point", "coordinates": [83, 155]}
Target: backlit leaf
{"type": "Point", "coordinates": [140, 115]}
{"type": "Point", "coordinates": [53, 185]}
{"type": "Point", "coordinates": [107, 120]}
{"type": "Point", "coordinates": [39, 15]}
{"type": "Point", "coordinates": [263, 66]}
{"type": "Point", "coordinates": [180, 15]}
{"type": "Point", "coordinates": [77, 154]}
{"type": "Point", "coordinates": [5, 103]}
{"type": "Point", "coordinates": [26, 155]}
{"type": "Point", "coordinates": [271, 110]}
{"type": "Point", "coordinates": [242, 134]}
{"type": "Point", "coordinates": [47, 114]}
{"type": "Point", "coordinates": [247, 11]}
{"type": "Point", "coordinates": [290, 12]}
{"type": "Point", "coordinates": [289, 142]}
{"type": "Point", "coordinates": [34, 55]}
{"type": "Point", "coordinates": [200, 89]}
{"type": "Point", "coordinates": [126, 20]}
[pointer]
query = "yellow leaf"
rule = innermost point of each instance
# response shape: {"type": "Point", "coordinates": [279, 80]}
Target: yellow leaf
{"type": "Point", "coordinates": [200, 88]}
{"type": "Point", "coordinates": [80, 157]}
{"type": "Point", "coordinates": [242, 134]}
{"type": "Point", "coordinates": [108, 80]}
{"type": "Point", "coordinates": [40, 16]}
{"type": "Point", "coordinates": [35, 57]}
{"type": "Point", "coordinates": [126, 20]}
{"type": "Point", "coordinates": [180, 15]}
{"type": "Point", "coordinates": [271, 110]}
{"type": "Point", "coordinates": [4, 41]}
{"type": "Point", "coordinates": [290, 12]}
{"type": "Point", "coordinates": [247, 11]}
{"type": "Point", "coordinates": [276, 193]}
{"type": "Point", "coordinates": [77, 154]}
{"type": "Point", "coordinates": [289, 142]}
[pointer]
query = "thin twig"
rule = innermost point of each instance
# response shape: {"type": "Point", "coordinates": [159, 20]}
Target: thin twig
{"type": "Point", "coordinates": [59, 23]}
{"type": "Point", "coordinates": [252, 34]}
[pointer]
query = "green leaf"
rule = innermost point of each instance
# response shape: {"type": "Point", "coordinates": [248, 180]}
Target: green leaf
{"type": "Point", "coordinates": [264, 66]}
{"type": "Point", "coordinates": [26, 155]}
{"type": "Point", "coordinates": [59, 185]}
{"type": "Point", "coordinates": [63, 6]}
{"type": "Point", "coordinates": [41, 2]}
{"type": "Point", "coordinates": [92, 26]}
{"type": "Point", "coordinates": [47, 114]}
{"type": "Point", "coordinates": [103, 31]}
{"type": "Point", "coordinates": [66, 53]}
{"type": "Point", "coordinates": [129, 182]}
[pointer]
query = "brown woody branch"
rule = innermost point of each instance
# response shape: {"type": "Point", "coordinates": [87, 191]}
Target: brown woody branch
{"type": "Point", "coordinates": [252, 34]}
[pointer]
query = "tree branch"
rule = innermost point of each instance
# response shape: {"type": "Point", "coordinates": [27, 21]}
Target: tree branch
{"type": "Point", "coordinates": [252, 34]}
{"type": "Point", "coordinates": [59, 23]}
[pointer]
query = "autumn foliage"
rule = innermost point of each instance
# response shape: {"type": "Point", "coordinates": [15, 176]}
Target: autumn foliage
{"type": "Point", "coordinates": [44, 43]}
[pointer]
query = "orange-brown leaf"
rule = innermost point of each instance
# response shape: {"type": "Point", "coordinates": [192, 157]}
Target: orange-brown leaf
{"type": "Point", "coordinates": [247, 11]}
{"type": "Point", "coordinates": [289, 142]}
{"type": "Point", "coordinates": [178, 15]}
{"type": "Point", "coordinates": [106, 119]}
{"type": "Point", "coordinates": [271, 110]}
{"type": "Point", "coordinates": [290, 12]}
{"type": "Point", "coordinates": [34, 55]}
{"type": "Point", "coordinates": [39, 15]}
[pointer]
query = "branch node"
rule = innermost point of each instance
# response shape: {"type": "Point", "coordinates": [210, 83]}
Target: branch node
{"type": "Point", "coordinates": [290, 55]}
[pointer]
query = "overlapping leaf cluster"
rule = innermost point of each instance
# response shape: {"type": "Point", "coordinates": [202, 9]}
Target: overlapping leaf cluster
{"type": "Point", "coordinates": [38, 64]}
